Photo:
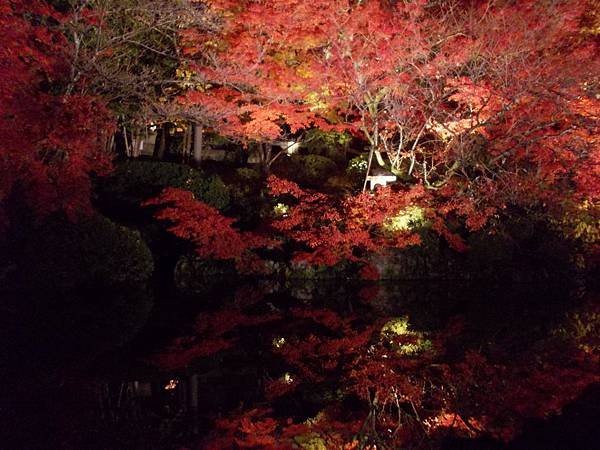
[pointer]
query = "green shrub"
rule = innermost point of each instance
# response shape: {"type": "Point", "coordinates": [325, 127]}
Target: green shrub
{"type": "Point", "coordinates": [357, 169]}
{"type": "Point", "coordinates": [62, 255]}
{"type": "Point", "coordinates": [214, 192]}
{"type": "Point", "coordinates": [311, 170]}
{"type": "Point", "coordinates": [135, 181]}
{"type": "Point", "coordinates": [331, 144]}
{"type": "Point", "coordinates": [248, 202]}
{"type": "Point", "coordinates": [194, 274]}
{"type": "Point", "coordinates": [248, 176]}
{"type": "Point", "coordinates": [247, 182]}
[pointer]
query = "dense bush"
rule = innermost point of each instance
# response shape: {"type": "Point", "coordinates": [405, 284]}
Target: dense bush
{"type": "Point", "coordinates": [249, 177]}
{"type": "Point", "coordinates": [332, 144]}
{"type": "Point", "coordinates": [357, 169]}
{"type": "Point", "coordinates": [135, 181]}
{"type": "Point", "coordinates": [307, 170]}
{"type": "Point", "coordinates": [248, 203]}
{"type": "Point", "coordinates": [58, 254]}
{"type": "Point", "coordinates": [214, 192]}
{"type": "Point", "coordinates": [316, 169]}
{"type": "Point", "coordinates": [194, 274]}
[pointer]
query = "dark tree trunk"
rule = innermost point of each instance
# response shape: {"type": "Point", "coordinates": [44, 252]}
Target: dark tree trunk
{"type": "Point", "coordinates": [265, 153]}
{"type": "Point", "coordinates": [193, 401]}
{"type": "Point", "coordinates": [189, 134]}
{"type": "Point", "coordinates": [198, 141]}
{"type": "Point", "coordinates": [160, 146]}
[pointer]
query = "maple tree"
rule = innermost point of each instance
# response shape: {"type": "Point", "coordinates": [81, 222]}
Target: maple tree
{"type": "Point", "coordinates": [211, 233]}
{"type": "Point", "coordinates": [252, 73]}
{"type": "Point", "coordinates": [465, 99]}
{"type": "Point", "coordinates": [52, 138]}
{"type": "Point", "coordinates": [474, 102]}
{"type": "Point", "coordinates": [425, 84]}
{"type": "Point", "coordinates": [383, 383]}
{"type": "Point", "coordinates": [521, 98]}
{"type": "Point", "coordinates": [128, 53]}
{"type": "Point", "coordinates": [479, 107]}
{"type": "Point", "coordinates": [350, 229]}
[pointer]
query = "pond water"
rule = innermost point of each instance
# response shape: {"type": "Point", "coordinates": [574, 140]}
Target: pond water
{"type": "Point", "coordinates": [153, 370]}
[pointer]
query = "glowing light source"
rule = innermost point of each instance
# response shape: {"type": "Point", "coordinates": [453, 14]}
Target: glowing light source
{"type": "Point", "coordinates": [172, 384]}
{"type": "Point", "coordinates": [278, 342]}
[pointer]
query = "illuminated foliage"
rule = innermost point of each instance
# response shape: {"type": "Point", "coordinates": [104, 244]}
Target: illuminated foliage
{"type": "Point", "coordinates": [382, 383]}
{"type": "Point", "coordinates": [52, 137]}
{"type": "Point", "coordinates": [488, 105]}
{"type": "Point", "coordinates": [211, 233]}
{"type": "Point", "coordinates": [347, 230]}
{"type": "Point", "coordinates": [480, 108]}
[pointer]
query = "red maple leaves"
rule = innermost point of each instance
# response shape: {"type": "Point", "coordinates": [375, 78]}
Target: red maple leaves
{"type": "Point", "coordinates": [481, 100]}
{"type": "Point", "coordinates": [52, 139]}
{"type": "Point", "coordinates": [347, 230]}
{"type": "Point", "coordinates": [211, 233]}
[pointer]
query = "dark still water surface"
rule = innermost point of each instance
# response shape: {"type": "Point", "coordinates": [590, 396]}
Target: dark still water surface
{"type": "Point", "coordinates": [476, 366]}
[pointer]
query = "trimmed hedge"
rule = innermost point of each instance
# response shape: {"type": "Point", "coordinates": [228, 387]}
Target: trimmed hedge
{"type": "Point", "coordinates": [61, 255]}
{"type": "Point", "coordinates": [330, 144]}
{"type": "Point", "coordinates": [135, 181]}
{"type": "Point", "coordinates": [307, 170]}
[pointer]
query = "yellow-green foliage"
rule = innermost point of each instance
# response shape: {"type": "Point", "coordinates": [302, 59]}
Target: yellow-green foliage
{"type": "Point", "coordinates": [583, 329]}
{"type": "Point", "coordinates": [399, 327]}
{"type": "Point", "coordinates": [331, 144]}
{"type": "Point", "coordinates": [287, 378]}
{"type": "Point", "coordinates": [314, 99]}
{"type": "Point", "coordinates": [357, 164]}
{"type": "Point", "coordinates": [408, 219]}
{"type": "Point", "coordinates": [582, 223]}
{"type": "Point", "coordinates": [278, 342]}
{"type": "Point", "coordinates": [591, 19]}
{"type": "Point", "coordinates": [280, 210]}
{"type": "Point", "coordinates": [310, 441]}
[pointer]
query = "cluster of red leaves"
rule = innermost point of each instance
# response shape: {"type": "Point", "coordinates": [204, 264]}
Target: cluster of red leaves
{"type": "Point", "coordinates": [539, 121]}
{"type": "Point", "coordinates": [316, 356]}
{"type": "Point", "coordinates": [427, 80]}
{"type": "Point", "coordinates": [407, 398]}
{"type": "Point", "coordinates": [336, 231]}
{"type": "Point", "coordinates": [332, 231]}
{"type": "Point", "coordinates": [211, 233]}
{"type": "Point", "coordinates": [344, 352]}
{"type": "Point", "coordinates": [245, 430]}
{"type": "Point", "coordinates": [499, 396]}
{"type": "Point", "coordinates": [254, 68]}
{"type": "Point", "coordinates": [312, 358]}
{"type": "Point", "coordinates": [256, 429]}
{"type": "Point", "coordinates": [52, 140]}
{"type": "Point", "coordinates": [213, 332]}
